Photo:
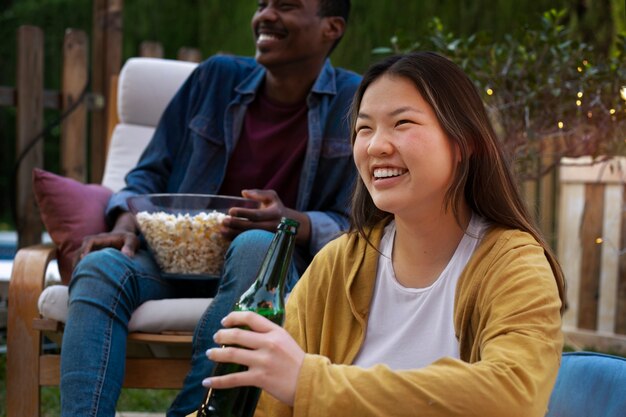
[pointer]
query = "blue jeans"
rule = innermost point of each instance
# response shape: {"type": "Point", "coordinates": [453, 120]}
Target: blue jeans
{"type": "Point", "coordinates": [107, 287]}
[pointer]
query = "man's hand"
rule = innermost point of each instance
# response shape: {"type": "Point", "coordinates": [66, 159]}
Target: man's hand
{"type": "Point", "coordinates": [266, 217]}
{"type": "Point", "coordinates": [123, 237]}
{"type": "Point", "coordinates": [272, 356]}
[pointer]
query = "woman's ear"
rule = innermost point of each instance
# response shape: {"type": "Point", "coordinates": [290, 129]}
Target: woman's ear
{"type": "Point", "coordinates": [334, 28]}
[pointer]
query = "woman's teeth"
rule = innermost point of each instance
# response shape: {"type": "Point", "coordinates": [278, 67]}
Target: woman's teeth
{"type": "Point", "coordinates": [388, 172]}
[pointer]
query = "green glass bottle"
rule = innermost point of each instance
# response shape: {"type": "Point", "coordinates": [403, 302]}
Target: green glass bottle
{"type": "Point", "coordinates": [267, 298]}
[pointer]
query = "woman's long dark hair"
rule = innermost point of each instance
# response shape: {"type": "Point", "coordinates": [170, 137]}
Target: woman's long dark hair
{"type": "Point", "coordinates": [483, 176]}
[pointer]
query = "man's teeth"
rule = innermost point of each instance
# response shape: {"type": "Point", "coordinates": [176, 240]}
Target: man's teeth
{"type": "Point", "coordinates": [266, 37]}
{"type": "Point", "coordinates": [388, 172]}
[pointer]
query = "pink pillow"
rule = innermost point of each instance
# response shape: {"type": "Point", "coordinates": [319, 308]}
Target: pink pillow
{"type": "Point", "coordinates": [70, 210]}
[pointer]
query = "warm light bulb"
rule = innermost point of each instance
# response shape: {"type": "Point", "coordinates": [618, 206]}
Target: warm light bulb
{"type": "Point", "coordinates": [612, 111]}
{"type": "Point", "coordinates": [489, 92]}
{"type": "Point", "coordinates": [599, 240]}
{"type": "Point", "coordinates": [622, 92]}
{"type": "Point", "coordinates": [585, 62]}
{"type": "Point", "coordinates": [579, 69]}
{"type": "Point", "coordinates": [560, 124]}
{"type": "Point", "coordinates": [580, 94]}
{"type": "Point", "coordinates": [579, 103]}
{"type": "Point", "coordinates": [589, 114]}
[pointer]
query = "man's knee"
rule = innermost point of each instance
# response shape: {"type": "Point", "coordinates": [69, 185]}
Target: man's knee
{"type": "Point", "coordinates": [102, 268]}
{"type": "Point", "coordinates": [251, 244]}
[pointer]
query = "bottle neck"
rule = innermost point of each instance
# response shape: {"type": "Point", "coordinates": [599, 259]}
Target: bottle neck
{"type": "Point", "coordinates": [266, 295]}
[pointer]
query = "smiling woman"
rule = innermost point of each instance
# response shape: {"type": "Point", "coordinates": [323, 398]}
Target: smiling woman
{"type": "Point", "coordinates": [441, 247]}
{"type": "Point", "coordinates": [403, 155]}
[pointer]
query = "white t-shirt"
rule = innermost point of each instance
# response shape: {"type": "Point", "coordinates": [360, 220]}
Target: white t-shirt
{"type": "Point", "coordinates": [413, 327]}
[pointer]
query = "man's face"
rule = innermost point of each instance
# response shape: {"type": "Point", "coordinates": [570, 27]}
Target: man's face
{"type": "Point", "coordinates": [288, 32]}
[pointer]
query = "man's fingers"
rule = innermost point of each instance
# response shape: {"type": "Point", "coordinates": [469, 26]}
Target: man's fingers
{"type": "Point", "coordinates": [263, 196]}
{"type": "Point", "coordinates": [239, 221]}
{"type": "Point", "coordinates": [130, 245]}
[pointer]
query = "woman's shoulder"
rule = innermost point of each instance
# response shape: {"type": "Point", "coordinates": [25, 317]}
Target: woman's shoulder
{"type": "Point", "coordinates": [502, 239]}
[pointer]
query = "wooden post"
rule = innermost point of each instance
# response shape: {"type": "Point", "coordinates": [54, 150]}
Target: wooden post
{"type": "Point", "coordinates": [106, 62]}
{"type": "Point", "coordinates": [151, 49]}
{"type": "Point", "coordinates": [548, 191]}
{"type": "Point", "coordinates": [620, 312]}
{"type": "Point", "coordinates": [189, 54]}
{"type": "Point", "coordinates": [591, 229]}
{"type": "Point", "coordinates": [29, 124]}
{"type": "Point", "coordinates": [73, 129]}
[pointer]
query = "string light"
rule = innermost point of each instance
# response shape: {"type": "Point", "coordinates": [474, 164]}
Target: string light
{"type": "Point", "coordinates": [589, 114]}
{"type": "Point", "coordinates": [580, 69]}
{"type": "Point", "coordinates": [612, 111]}
{"type": "Point", "coordinates": [579, 103]}
{"type": "Point", "coordinates": [622, 93]}
{"type": "Point", "coordinates": [585, 62]}
{"type": "Point", "coordinates": [560, 124]}
{"type": "Point", "coordinates": [599, 240]}
{"type": "Point", "coordinates": [580, 94]}
{"type": "Point", "coordinates": [489, 92]}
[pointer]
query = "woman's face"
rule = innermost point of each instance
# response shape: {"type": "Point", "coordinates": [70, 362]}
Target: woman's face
{"type": "Point", "coordinates": [401, 152]}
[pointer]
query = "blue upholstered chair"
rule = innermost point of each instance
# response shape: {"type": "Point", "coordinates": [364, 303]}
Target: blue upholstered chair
{"type": "Point", "coordinates": [589, 385]}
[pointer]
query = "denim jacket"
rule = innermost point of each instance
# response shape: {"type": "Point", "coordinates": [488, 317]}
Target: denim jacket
{"type": "Point", "coordinates": [200, 127]}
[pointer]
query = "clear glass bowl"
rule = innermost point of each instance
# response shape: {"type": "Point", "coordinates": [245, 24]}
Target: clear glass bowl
{"type": "Point", "coordinates": [182, 231]}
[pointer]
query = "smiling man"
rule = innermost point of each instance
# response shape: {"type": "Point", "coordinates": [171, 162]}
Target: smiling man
{"type": "Point", "coordinates": [272, 128]}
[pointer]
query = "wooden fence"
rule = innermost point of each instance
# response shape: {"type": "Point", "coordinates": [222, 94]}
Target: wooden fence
{"type": "Point", "coordinates": [592, 251]}
{"type": "Point", "coordinates": [74, 98]}
{"type": "Point", "coordinates": [30, 99]}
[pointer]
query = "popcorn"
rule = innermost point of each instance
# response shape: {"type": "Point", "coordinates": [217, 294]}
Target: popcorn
{"type": "Point", "coordinates": [184, 244]}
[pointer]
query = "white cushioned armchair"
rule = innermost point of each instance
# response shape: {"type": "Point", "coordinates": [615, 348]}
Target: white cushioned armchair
{"type": "Point", "coordinates": [145, 87]}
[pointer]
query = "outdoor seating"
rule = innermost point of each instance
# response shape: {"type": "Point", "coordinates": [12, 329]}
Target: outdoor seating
{"type": "Point", "coordinates": [589, 384]}
{"type": "Point", "coordinates": [159, 343]}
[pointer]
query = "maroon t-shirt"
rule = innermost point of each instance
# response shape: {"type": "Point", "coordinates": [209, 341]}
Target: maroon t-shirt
{"type": "Point", "coordinates": [270, 151]}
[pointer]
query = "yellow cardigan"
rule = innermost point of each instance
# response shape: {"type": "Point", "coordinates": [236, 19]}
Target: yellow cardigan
{"type": "Point", "coordinates": [507, 321]}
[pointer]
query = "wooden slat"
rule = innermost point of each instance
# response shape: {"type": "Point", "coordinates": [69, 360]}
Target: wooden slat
{"type": "Point", "coordinates": [151, 49]}
{"type": "Point", "coordinates": [74, 127]}
{"type": "Point", "coordinates": [610, 257]}
{"type": "Point", "coordinates": [107, 61]}
{"type": "Point", "coordinates": [599, 170]}
{"type": "Point", "coordinates": [140, 373]}
{"type": "Point", "coordinates": [189, 54]}
{"type": "Point", "coordinates": [591, 230]}
{"type": "Point", "coordinates": [51, 98]}
{"type": "Point", "coordinates": [113, 64]}
{"type": "Point", "coordinates": [29, 125]}
{"type": "Point", "coordinates": [47, 325]}
{"type": "Point", "coordinates": [571, 208]}
{"type": "Point", "coordinates": [98, 116]}
{"type": "Point", "coordinates": [547, 184]}
{"type": "Point", "coordinates": [620, 310]}
{"type": "Point", "coordinates": [171, 339]}
{"type": "Point", "coordinates": [604, 342]}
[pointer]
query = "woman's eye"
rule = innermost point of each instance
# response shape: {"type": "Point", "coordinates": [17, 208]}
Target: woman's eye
{"type": "Point", "coordinates": [403, 122]}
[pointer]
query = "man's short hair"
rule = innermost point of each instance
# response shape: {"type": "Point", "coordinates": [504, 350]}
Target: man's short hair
{"type": "Point", "coordinates": [334, 8]}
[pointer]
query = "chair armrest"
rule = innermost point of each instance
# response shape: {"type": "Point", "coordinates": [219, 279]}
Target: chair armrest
{"type": "Point", "coordinates": [23, 341]}
{"type": "Point", "coordinates": [28, 278]}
